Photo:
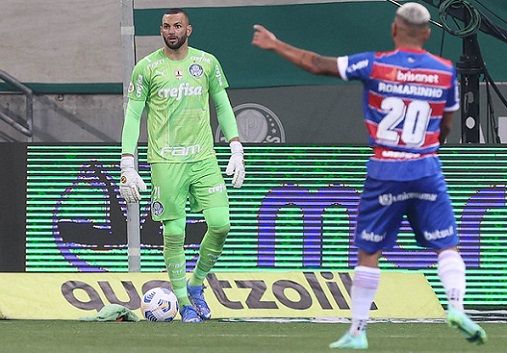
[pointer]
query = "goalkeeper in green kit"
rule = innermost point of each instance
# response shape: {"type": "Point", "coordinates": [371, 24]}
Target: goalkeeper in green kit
{"type": "Point", "coordinates": [174, 84]}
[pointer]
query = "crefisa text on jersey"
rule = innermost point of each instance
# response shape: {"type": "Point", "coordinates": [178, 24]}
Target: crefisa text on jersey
{"type": "Point", "coordinates": [183, 89]}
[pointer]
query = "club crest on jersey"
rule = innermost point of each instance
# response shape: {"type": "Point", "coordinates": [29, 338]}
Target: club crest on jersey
{"type": "Point", "coordinates": [178, 74]}
{"type": "Point", "coordinates": [196, 70]}
{"type": "Point", "coordinates": [157, 208]}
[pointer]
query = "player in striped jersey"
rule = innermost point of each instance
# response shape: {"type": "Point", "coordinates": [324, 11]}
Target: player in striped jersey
{"type": "Point", "coordinates": [409, 100]}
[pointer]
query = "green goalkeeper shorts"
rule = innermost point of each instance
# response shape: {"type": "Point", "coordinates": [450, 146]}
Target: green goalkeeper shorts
{"type": "Point", "coordinates": [201, 183]}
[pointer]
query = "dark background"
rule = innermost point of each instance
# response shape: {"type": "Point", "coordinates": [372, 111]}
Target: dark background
{"type": "Point", "coordinates": [13, 207]}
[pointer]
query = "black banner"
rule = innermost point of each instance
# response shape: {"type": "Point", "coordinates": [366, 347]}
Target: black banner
{"type": "Point", "coordinates": [13, 212]}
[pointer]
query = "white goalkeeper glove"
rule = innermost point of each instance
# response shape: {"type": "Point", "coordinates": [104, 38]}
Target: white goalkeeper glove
{"type": "Point", "coordinates": [236, 164]}
{"type": "Point", "coordinates": [130, 181]}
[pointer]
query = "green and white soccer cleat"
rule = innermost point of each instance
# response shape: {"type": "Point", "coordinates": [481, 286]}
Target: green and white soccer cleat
{"type": "Point", "coordinates": [351, 342]}
{"type": "Point", "coordinates": [460, 321]}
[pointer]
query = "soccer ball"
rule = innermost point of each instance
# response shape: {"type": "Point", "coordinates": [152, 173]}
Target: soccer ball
{"type": "Point", "coordinates": [159, 304]}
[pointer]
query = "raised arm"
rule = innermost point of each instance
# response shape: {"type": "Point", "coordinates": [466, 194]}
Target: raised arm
{"type": "Point", "coordinates": [307, 60]}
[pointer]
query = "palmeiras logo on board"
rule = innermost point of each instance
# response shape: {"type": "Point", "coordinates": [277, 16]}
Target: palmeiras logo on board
{"type": "Point", "coordinates": [256, 123]}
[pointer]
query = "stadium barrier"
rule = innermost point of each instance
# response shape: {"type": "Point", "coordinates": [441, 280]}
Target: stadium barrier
{"type": "Point", "coordinates": [292, 294]}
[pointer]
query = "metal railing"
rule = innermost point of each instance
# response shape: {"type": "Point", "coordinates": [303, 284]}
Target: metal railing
{"type": "Point", "coordinates": [27, 92]}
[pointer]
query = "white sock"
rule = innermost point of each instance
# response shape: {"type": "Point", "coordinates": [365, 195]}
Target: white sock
{"type": "Point", "coordinates": [364, 288]}
{"type": "Point", "coordinates": [451, 270]}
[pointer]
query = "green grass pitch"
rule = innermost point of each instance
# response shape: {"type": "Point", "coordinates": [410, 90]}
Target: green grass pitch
{"type": "Point", "coordinates": [59, 336]}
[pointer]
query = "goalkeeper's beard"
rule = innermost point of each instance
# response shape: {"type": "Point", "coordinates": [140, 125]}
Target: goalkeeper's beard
{"type": "Point", "coordinates": [178, 44]}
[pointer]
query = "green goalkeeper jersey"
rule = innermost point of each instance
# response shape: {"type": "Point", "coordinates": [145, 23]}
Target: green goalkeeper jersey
{"type": "Point", "coordinates": [176, 97]}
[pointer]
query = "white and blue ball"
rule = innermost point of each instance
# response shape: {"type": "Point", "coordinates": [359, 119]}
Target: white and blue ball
{"type": "Point", "coordinates": [159, 305]}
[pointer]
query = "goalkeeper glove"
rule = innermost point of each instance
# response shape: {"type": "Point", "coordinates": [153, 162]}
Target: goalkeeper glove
{"type": "Point", "coordinates": [130, 182]}
{"type": "Point", "coordinates": [236, 164]}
